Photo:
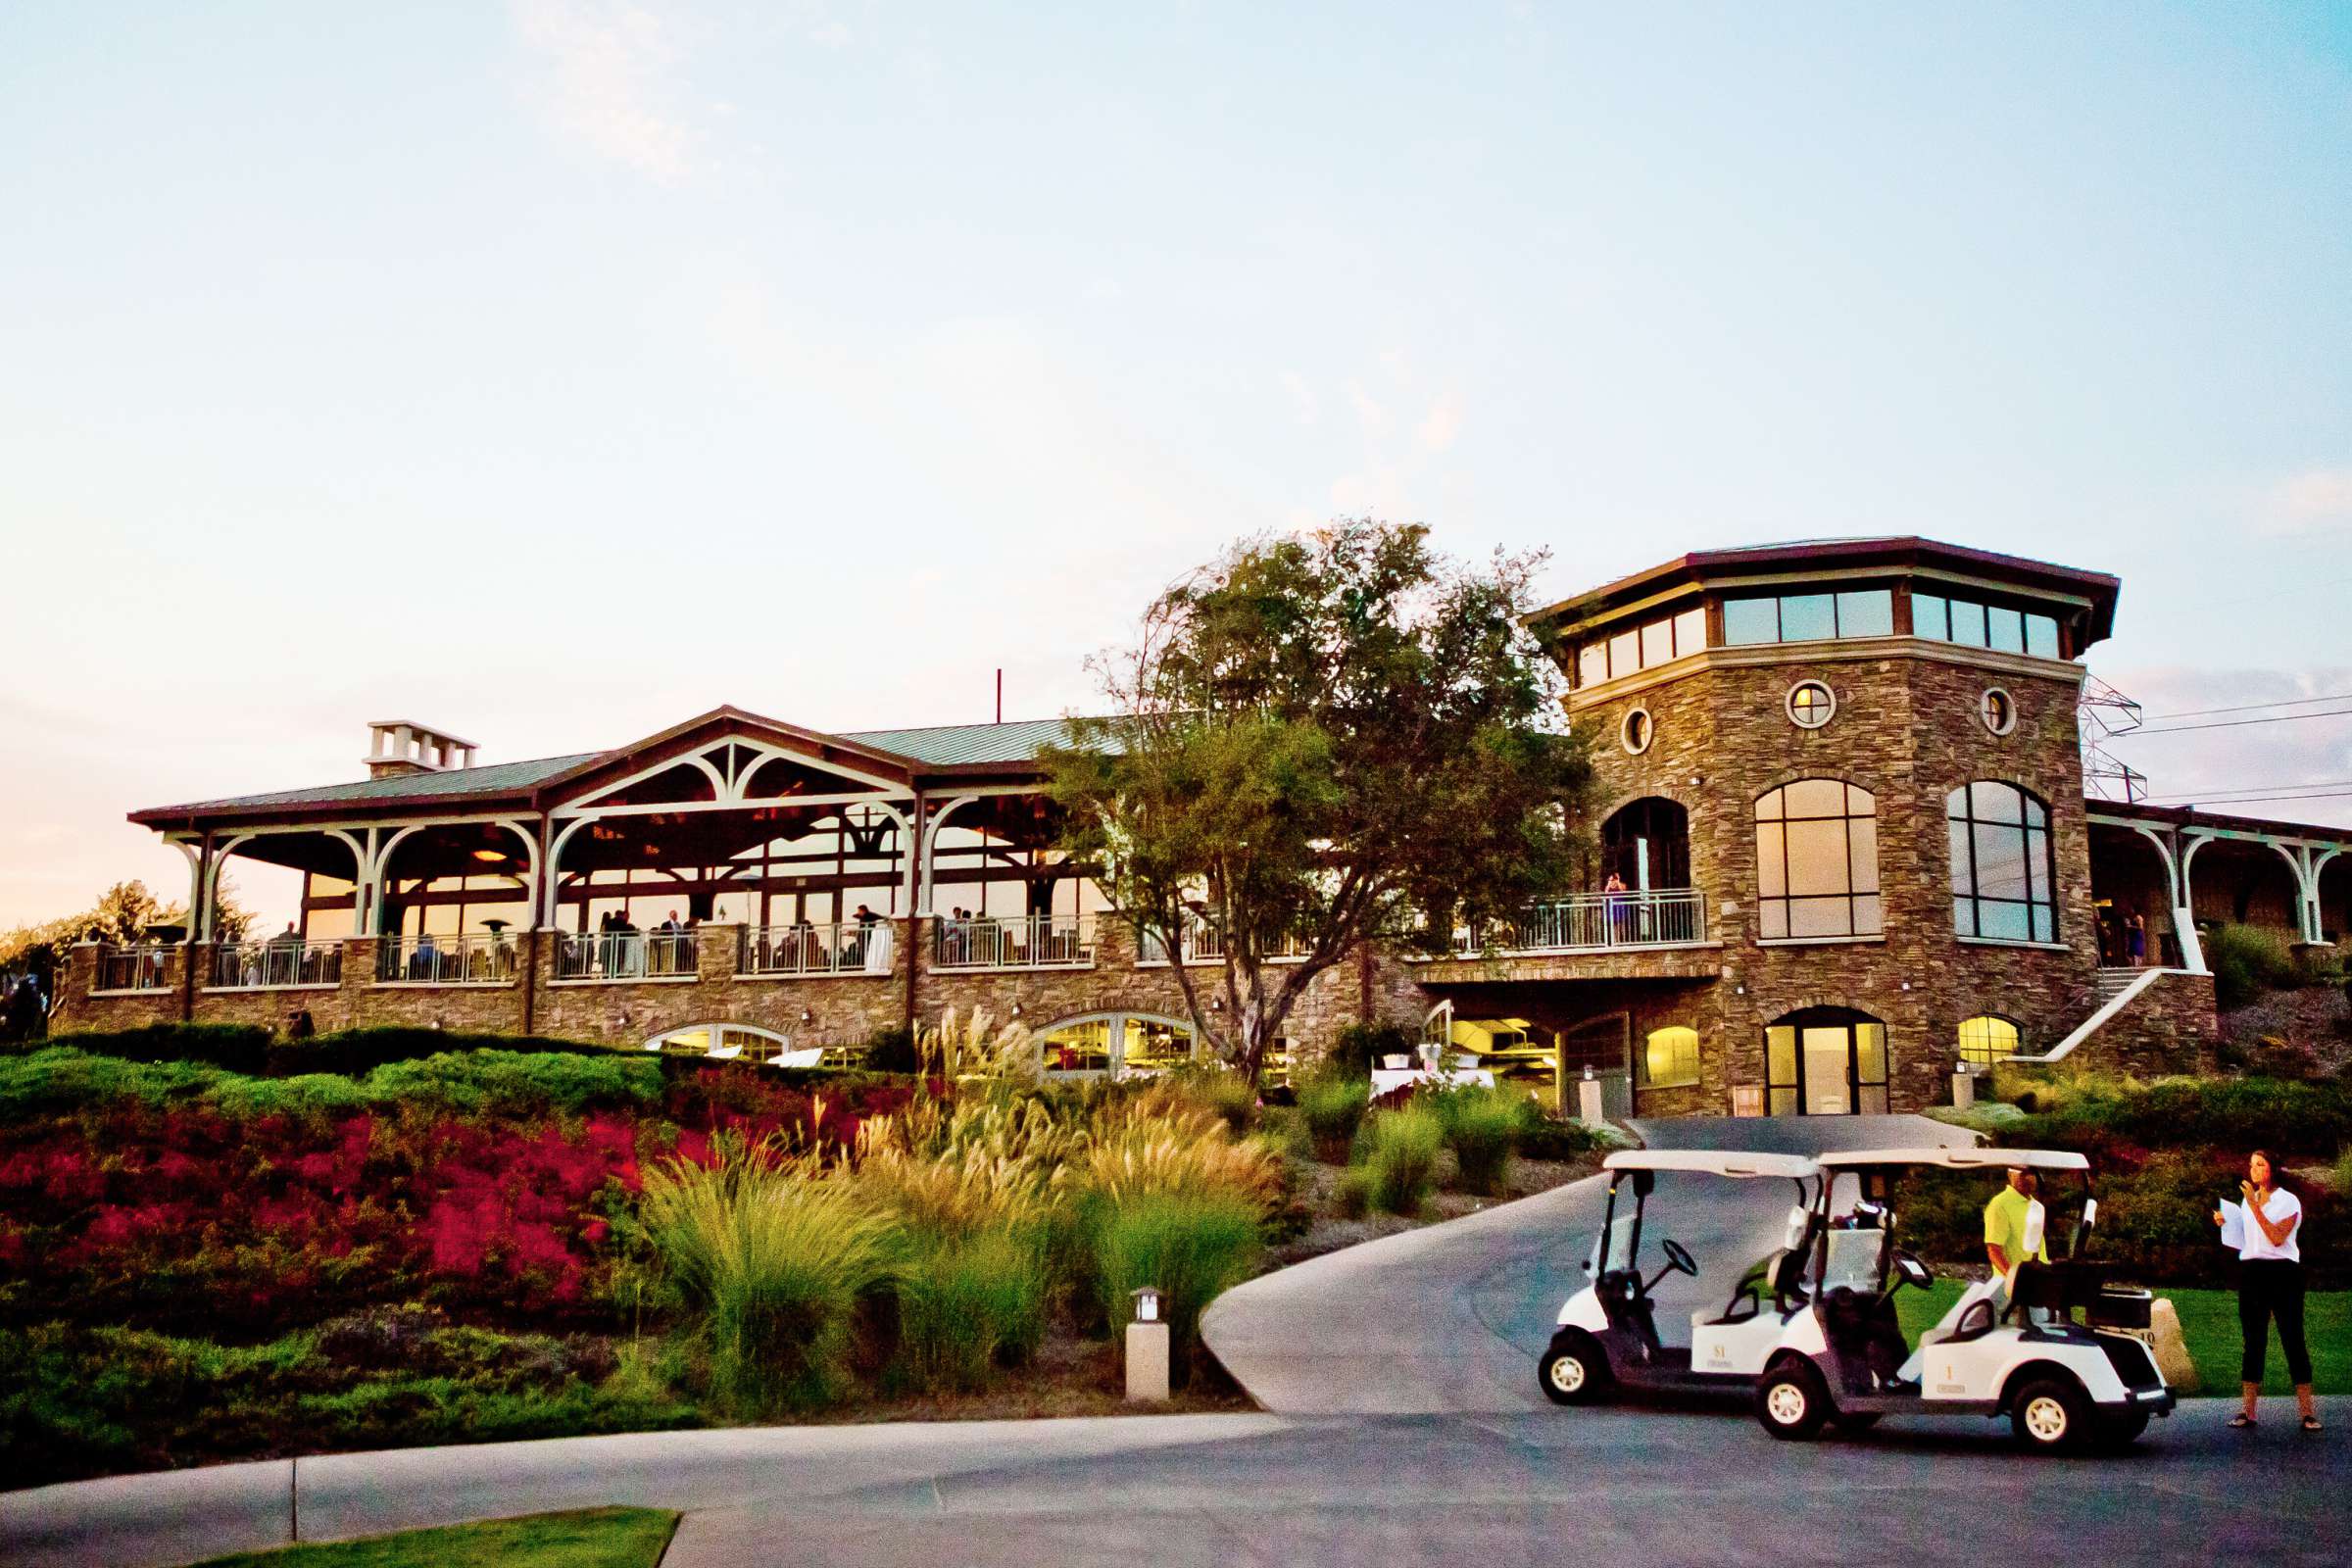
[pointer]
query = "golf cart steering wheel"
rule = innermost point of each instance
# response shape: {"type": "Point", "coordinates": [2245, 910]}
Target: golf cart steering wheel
{"type": "Point", "coordinates": [1678, 1257]}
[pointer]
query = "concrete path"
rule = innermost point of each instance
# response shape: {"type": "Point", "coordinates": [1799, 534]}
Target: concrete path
{"type": "Point", "coordinates": [1627, 1485]}
{"type": "Point", "coordinates": [1449, 1319]}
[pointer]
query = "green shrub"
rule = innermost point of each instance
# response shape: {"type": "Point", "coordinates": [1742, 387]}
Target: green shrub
{"type": "Point", "coordinates": [1191, 1246]}
{"type": "Point", "coordinates": [1332, 1109]}
{"type": "Point", "coordinates": [1360, 1047]}
{"type": "Point", "coordinates": [892, 1049]}
{"type": "Point", "coordinates": [1555, 1138]}
{"type": "Point", "coordinates": [776, 1261]}
{"type": "Point", "coordinates": [2247, 960]}
{"type": "Point", "coordinates": [1353, 1196]}
{"type": "Point", "coordinates": [519, 1083]}
{"type": "Point", "coordinates": [1401, 1151]}
{"type": "Point", "coordinates": [966, 1305]}
{"type": "Point", "coordinates": [1482, 1126]}
{"type": "Point", "coordinates": [236, 1047]}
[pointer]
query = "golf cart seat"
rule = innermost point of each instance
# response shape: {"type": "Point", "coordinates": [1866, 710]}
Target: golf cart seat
{"type": "Point", "coordinates": [1777, 1279]}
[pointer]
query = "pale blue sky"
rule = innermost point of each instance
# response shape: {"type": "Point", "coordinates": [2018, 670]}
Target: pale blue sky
{"type": "Point", "coordinates": [552, 371]}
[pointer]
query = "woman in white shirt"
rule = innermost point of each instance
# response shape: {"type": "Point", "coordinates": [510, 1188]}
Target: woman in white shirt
{"type": "Point", "coordinates": [2269, 1284]}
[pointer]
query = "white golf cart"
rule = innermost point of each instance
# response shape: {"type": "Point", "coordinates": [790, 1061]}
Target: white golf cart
{"type": "Point", "coordinates": [2010, 1347]}
{"type": "Point", "coordinates": [1608, 1336]}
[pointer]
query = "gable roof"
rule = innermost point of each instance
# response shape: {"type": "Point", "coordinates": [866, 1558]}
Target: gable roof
{"type": "Point", "coordinates": [962, 748]}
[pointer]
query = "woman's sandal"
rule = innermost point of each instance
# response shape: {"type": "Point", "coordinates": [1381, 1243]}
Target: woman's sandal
{"type": "Point", "coordinates": [2311, 1423]}
{"type": "Point", "coordinates": [2241, 1421]}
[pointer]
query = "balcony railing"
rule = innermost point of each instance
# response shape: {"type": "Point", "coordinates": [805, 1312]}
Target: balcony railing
{"type": "Point", "coordinates": [1205, 944]}
{"type": "Point", "coordinates": [280, 962]}
{"type": "Point", "coordinates": [626, 956]}
{"type": "Point", "coordinates": [139, 968]}
{"type": "Point", "coordinates": [1020, 941]}
{"type": "Point", "coordinates": [474, 958]}
{"type": "Point", "coordinates": [842, 948]}
{"type": "Point", "coordinates": [1596, 922]}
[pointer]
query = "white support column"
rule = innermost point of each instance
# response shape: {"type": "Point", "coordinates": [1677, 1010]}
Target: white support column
{"type": "Point", "coordinates": [928, 889]}
{"type": "Point", "coordinates": [2184, 914]}
{"type": "Point", "coordinates": [195, 884]}
{"type": "Point", "coordinates": [2318, 864]}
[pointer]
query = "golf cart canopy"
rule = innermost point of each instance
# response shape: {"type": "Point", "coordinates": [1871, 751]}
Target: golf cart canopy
{"type": "Point", "coordinates": [1957, 1158]}
{"type": "Point", "coordinates": [1714, 1162]}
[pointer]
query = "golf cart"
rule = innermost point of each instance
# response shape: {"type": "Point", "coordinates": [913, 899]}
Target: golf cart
{"type": "Point", "coordinates": [1608, 1336]}
{"type": "Point", "coordinates": [2010, 1347]}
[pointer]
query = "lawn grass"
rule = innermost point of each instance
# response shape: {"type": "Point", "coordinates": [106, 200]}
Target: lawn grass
{"type": "Point", "coordinates": [2209, 1323]}
{"type": "Point", "coordinates": [585, 1538]}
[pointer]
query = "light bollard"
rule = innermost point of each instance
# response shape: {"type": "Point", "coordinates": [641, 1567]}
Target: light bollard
{"type": "Point", "coordinates": [1588, 1101]}
{"type": "Point", "coordinates": [1964, 1089]}
{"type": "Point", "coordinates": [1146, 1351]}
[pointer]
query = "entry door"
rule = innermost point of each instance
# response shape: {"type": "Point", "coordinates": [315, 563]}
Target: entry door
{"type": "Point", "coordinates": [1603, 1045]}
{"type": "Point", "coordinates": [1828, 1089]}
{"type": "Point", "coordinates": [1826, 1062]}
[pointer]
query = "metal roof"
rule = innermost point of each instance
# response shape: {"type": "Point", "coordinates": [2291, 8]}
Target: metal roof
{"type": "Point", "coordinates": [963, 745]}
{"type": "Point", "coordinates": [495, 778]}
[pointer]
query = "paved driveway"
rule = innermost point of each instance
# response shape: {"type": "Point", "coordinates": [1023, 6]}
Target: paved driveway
{"type": "Point", "coordinates": [1538, 1487]}
{"type": "Point", "coordinates": [1452, 1318]}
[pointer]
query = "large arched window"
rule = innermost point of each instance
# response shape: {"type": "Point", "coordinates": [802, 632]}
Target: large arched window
{"type": "Point", "coordinates": [1987, 1039]}
{"type": "Point", "coordinates": [1817, 860]}
{"type": "Point", "coordinates": [1647, 843]}
{"type": "Point", "coordinates": [1117, 1044]}
{"type": "Point", "coordinates": [2002, 878]}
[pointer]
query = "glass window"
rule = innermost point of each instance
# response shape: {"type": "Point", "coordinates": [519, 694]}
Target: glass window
{"type": "Point", "coordinates": [1657, 643]}
{"type": "Point", "coordinates": [1928, 617]}
{"type": "Point", "coordinates": [1868, 613]}
{"type": "Point", "coordinates": [1810, 704]}
{"type": "Point", "coordinates": [1751, 621]}
{"type": "Point", "coordinates": [1817, 860]}
{"type": "Point", "coordinates": [2000, 712]}
{"type": "Point", "coordinates": [1690, 632]}
{"type": "Point", "coordinates": [1081, 1046]}
{"type": "Point", "coordinates": [2005, 630]}
{"type": "Point", "coordinates": [1592, 665]}
{"type": "Point", "coordinates": [1669, 1059]}
{"type": "Point", "coordinates": [1806, 618]}
{"type": "Point", "coordinates": [1985, 1040]}
{"type": "Point", "coordinates": [1968, 623]}
{"type": "Point", "coordinates": [1780, 1067]}
{"type": "Point", "coordinates": [2042, 636]}
{"type": "Point", "coordinates": [2003, 885]}
{"type": "Point", "coordinates": [1625, 655]}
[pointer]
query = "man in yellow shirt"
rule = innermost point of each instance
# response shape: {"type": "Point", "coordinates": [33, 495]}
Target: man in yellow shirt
{"type": "Point", "coordinates": [2005, 1225]}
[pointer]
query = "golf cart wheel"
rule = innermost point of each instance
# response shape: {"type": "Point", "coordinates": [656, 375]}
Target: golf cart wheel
{"type": "Point", "coordinates": [1575, 1371]}
{"type": "Point", "coordinates": [1793, 1402]}
{"type": "Point", "coordinates": [2050, 1415]}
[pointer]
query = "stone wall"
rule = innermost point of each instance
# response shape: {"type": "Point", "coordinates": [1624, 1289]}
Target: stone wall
{"type": "Point", "coordinates": [2169, 1028]}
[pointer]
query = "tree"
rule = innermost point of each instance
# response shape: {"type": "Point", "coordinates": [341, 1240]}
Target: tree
{"type": "Point", "coordinates": [121, 917]}
{"type": "Point", "coordinates": [1320, 742]}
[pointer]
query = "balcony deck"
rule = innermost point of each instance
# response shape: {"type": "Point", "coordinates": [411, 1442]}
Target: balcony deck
{"type": "Point", "coordinates": [1658, 933]}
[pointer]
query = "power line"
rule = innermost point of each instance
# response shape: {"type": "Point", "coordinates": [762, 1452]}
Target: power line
{"type": "Point", "coordinates": [2249, 707]}
{"type": "Point", "coordinates": [2222, 790]}
{"type": "Point", "coordinates": [2237, 724]}
{"type": "Point", "coordinates": [2202, 801]}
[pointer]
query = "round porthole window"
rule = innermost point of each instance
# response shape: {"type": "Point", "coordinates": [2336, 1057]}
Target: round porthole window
{"type": "Point", "coordinates": [1998, 709]}
{"type": "Point", "coordinates": [1811, 705]}
{"type": "Point", "coordinates": [1638, 730]}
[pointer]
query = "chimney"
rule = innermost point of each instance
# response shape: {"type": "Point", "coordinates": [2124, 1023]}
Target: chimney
{"type": "Point", "coordinates": [400, 746]}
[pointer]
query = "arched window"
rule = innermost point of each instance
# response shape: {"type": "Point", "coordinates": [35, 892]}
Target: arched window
{"type": "Point", "coordinates": [1817, 860]}
{"type": "Point", "coordinates": [2002, 873]}
{"type": "Point", "coordinates": [1117, 1044]}
{"type": "Point", "coordinates": [1647, 843]}
{"type": "Point", "coordinates": [1987, 1039]}
{"type": "Point", "coordinates": [1668, 1060]}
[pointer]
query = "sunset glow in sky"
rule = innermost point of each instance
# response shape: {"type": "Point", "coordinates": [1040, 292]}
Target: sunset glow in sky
{"type": "Point", "coordinates": [555, 371]}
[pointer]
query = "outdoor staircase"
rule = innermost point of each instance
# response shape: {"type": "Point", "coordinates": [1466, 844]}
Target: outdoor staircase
{"type": "Point", "coordinates": [2112, 983]}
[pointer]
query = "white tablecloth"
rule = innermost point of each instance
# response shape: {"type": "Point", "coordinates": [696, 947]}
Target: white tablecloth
{"type": "Point", "coordinates": [1385, 1079]}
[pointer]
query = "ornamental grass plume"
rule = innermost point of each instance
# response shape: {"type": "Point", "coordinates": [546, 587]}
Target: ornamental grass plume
{"type": "Point", "coordinates": [1401, 1151]}
{"type": "Point", "coordinates": [773, 1259]}
{"type": "Point", "coordinates": [974, 1049]}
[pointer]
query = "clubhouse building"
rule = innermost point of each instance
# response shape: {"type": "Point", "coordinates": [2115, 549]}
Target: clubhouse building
{"type": "Point", "coordinates": [1843, 849]}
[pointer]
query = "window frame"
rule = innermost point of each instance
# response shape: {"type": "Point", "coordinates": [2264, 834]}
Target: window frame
{"type": "Point", "coordinates": [1971, 894]}
{"type": "Point", "coordinates": [1829, 710]}
{"type": "Point", "coordinates": [1643, 1073]}
{"type": "Point", "coordinates": [1839, 610]}
{"type": "Point", "coordinates": [2016, 1038]}
{"type": "Point", "coordinates": [1785, 901]}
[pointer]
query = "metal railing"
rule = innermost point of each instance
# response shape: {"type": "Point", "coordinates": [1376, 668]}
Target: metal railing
{"type": "Point", "coordinates": [1596, 922]}
{"type": "Point", "coordinates": [1203, 943]}
{"type": "Point", "coordinates": [277, 961]}
{"type": "Point", "coordinates": [626, 954]}
{"type": "Point", "coordinates": [472, 958]}
{"type": "Point", "coordinates": [845, 946]}
{"type": "Point", "coordinates": [1017, 942]}
{"type": "Point", "coordinates": [139, 968]}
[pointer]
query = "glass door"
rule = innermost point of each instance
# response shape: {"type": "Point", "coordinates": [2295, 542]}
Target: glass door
{"type": "Point", "coordinates": [1825, 1062]}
